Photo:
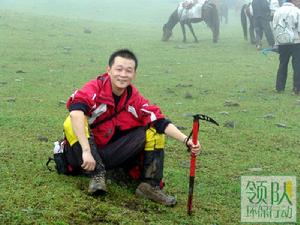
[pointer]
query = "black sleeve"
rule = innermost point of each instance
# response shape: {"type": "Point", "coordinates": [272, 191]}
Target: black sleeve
{"type": "Point", "coordinates": [160, 125]}
{"type": "Point", "coordinates": [79, 106]}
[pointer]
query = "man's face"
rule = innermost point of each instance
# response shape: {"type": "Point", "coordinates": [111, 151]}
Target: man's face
{"type": "Point", "coordinates": [122, 72]}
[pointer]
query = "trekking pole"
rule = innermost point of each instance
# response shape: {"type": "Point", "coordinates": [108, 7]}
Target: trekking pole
{"type": "Point", "coordinates": [193, 165]}
{"type": "Point", "coordinates": [194, 134]}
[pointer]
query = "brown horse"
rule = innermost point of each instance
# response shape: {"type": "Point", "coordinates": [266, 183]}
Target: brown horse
{"type": "Point", "coordinates": [209, 15]}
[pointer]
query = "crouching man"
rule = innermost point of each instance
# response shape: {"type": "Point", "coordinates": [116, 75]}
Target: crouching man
{"type": "Point", "coordinates": [111, 125]}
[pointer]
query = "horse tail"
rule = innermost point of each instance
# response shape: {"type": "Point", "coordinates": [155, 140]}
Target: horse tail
{"type": "Point", "coordinates": [216, 23]}
{"type": "Point", "coordinates": [244, 21]}
{"type": "Point", "coordinates": [213, 21]}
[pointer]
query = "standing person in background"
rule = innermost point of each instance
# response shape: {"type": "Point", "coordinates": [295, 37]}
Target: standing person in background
{"type": "Point", "coordinates": [286, 24]}
{"type": "Point", "coordinates": [274, 5]}
{"type": "Point", "coordinates": [262, 18]}
{"type": "Point", "coordinates": [126, 131]}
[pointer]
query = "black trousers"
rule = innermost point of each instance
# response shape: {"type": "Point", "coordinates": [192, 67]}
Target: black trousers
{"type": "Point", "coordinates": [285, 53]}
{"type": "Point", "coordinates": [262, 25]}
{"type": "Point", "coordinates": [124, 152]}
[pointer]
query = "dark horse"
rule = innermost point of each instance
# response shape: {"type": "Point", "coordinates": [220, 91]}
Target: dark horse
{"type": "Point", "coordinates": [209, 15]}
{"type": "Point", "coordinates": [246, 13]}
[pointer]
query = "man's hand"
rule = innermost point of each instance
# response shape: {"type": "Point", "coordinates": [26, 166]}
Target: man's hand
{"type": "Point", "coordinates": [194, 148]}
{"type": "Point", "coordinates": [89, 162]}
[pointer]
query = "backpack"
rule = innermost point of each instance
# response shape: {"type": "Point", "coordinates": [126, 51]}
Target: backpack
{"type": "Point", "coordinates": [59, 157]}
{"type": "Point", "coordinates": [283, 34]}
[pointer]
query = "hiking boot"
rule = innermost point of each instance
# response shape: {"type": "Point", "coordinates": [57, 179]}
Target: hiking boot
{"type": "Point", "coordinates": [155, 194]}
{"type": "Point", "coordinates": [97, 184]}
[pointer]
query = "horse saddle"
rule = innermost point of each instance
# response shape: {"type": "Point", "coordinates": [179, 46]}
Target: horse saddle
{"type": "Point", "coordinates": [190, 9]}
{"type": "Point", "coordinates": [188, 4]}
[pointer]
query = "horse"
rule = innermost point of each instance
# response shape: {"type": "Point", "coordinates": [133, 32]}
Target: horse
{"type": "Point", "coordinates": [209, 14]}
{"type": "Point", "coordinates": [246, 13]}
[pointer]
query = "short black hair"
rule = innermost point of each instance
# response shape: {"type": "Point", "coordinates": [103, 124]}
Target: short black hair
{"type": "Point", "coordinates": [124, 53]}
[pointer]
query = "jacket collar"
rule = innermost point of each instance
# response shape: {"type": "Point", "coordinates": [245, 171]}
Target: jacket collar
{"type": "Point", "coordinates": [106, 95]}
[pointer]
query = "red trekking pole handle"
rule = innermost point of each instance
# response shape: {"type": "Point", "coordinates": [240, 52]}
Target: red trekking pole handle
{"type": "Point", "coordinates": [193, 165]}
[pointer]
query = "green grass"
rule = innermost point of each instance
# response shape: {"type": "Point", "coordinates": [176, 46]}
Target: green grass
{"type": "Point", "coordinates": [57, 57]}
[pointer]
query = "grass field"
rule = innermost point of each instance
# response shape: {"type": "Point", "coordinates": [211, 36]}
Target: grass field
{"type": "Point", "coordinates": [49, 49]}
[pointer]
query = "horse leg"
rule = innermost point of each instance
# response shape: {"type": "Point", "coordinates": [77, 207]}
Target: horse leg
{"type": "Point", "coordinates": [215, 32]}
{"type": "Point", "coordinates": [215, 29]}
{"type": "Point", "coordinates": [210, 16]}
{"type": "Point", "coordinates": [183, 31]}
{"type": "Point", "coordinates": [251, 32]}
{"type": "Point", "coordinates": [244, 22]}
{"type": "Point", "coordinates": [192, 31]}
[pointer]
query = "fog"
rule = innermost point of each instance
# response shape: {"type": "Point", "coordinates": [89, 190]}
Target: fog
{"type": "Point", "coordinates": [128, 11]}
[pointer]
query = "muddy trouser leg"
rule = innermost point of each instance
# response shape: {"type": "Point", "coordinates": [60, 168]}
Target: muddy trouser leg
{"type": "Point", "coordinates": [153, 170]}
{"type": "Point", "coordinates": [153, 157]}
{"type": "Point", "coordinates": [124, 149]}
{"type": "Point", "coordinates": [74, 158]}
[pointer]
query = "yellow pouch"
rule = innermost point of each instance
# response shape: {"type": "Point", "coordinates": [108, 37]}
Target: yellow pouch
{"type": "Point", "coordinates": [154, 140]}
{"type": "Point", "coordinates": [69, 133]}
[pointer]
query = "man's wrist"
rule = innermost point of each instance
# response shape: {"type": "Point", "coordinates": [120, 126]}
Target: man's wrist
{"type": "Point", "coordinates": [86, 149]}
{"type": "Point", "coordinates": [185, 140]}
